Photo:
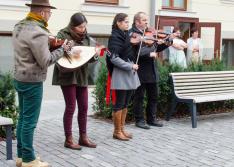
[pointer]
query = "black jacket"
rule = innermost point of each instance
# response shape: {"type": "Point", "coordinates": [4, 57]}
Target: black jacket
{"type": "Point", "coordinates": [147, 72]}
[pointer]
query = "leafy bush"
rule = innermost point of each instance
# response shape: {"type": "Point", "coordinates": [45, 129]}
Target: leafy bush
{"type": "Point", "coordinates": [165, 95]}
{"type": "Point", "coordinates": [7, 100]}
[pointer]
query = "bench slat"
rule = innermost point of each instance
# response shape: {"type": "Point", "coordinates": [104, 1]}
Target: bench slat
{"type": "Point", "coordinates": [200, 73]}
{"type": "Point", "coordinates": [203, 76]}
{"type": "Point", "coordinates": [203, 86]}
{"type": "Point", "coordinates": [202, 80]}
{"type": "Point", "coordinates": [5, 121]}
{"type": "Point", "coordinates": [202, 83]}
{"type": "Point", "coordinates": [210, 98]}
{"type": "Point", "coordinates": [204, 90]}
{"type": "Point", "coordinates": [205, 93]}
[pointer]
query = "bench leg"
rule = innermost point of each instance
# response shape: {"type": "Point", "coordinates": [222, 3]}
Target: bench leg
{"type": "Point", "coordinates": [172, 110]}
{"type": "Point", "coordinates": [194, 115]}
{"type": "Point", "coordinates": [9, 142]}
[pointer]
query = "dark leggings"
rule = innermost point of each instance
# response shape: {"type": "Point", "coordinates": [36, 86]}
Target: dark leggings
{"type": "Point", "coordinates": [123, 98]}
{"type": "Point", "coordinates": [73, 93]}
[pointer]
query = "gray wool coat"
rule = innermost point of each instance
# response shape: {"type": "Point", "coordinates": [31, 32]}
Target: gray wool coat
{"type": "Point", "coordinates": [123, 76]}
{"type": "Point", "coordinates": [31, 52]}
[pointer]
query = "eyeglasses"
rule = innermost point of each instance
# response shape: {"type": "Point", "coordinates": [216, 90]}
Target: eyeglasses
{"type": "Point", "coordinates": [47, 11]}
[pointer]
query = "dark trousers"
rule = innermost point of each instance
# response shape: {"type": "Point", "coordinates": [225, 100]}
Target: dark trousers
{"type": "Point", "coordinates": [138, 109]}
{"type": "Point", "coordinates": [73, 94]}
{"type": "Point", "coordinates": [30, 97]}
{"type": "Point", "coordinates": [123, 98]}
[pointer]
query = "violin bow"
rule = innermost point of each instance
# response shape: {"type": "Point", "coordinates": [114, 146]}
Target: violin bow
{"type": "Point", "coordinates": [98, 44]}
{"type": "Point", "coordinates": [138, 54]}
{"type": "Point", "coordinates": [157, 27]}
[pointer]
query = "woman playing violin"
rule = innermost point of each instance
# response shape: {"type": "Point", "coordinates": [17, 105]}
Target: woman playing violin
{"type": "Point", "coordinates": [124, 79]}
{"type": "Point", "coordinates": [74, 85]}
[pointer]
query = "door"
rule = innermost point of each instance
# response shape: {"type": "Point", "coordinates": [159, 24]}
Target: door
{"type": "Point", "coordinates": [168, 23]}
{"type": "Point", "coordinates": [210, 33]}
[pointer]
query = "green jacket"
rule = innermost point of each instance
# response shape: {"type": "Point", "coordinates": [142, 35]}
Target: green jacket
{"type": "Point", "coordinates": [78, 77]}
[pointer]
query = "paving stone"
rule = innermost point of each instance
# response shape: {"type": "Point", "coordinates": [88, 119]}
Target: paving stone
{"type": "Point", "coordinates": [174, 145]}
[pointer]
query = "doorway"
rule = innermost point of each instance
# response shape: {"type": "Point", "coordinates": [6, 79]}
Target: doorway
{"type": "Point", "coordinates": [209, 32]}
{"type": "Point", "coordinates": [168, 23]}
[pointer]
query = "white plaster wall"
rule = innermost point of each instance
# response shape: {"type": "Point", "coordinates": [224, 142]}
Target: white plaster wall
{"type": "Point", "coordinates": [207, 11]}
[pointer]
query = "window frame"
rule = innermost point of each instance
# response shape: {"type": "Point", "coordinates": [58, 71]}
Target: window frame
{"type": "Point", "coordinates": [109, 2]}
{"type": "Point", "coordinates": [171, 6]}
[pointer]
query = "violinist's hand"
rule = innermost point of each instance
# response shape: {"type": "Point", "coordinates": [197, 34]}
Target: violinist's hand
{"type": "Point", "coordinates": [135, 40]}
{"type": "Point", "coordinates": [76, 53]}
{"type": "Point", "coordinates": [51, 37]}
{"type": "Point", "coordinates": [153, 55]}
{"type": "Point", "coordinates": [67, 45]}
{"type": "Point", "coordinates": [160, 41]}
{"type": "Point", "coordinates": [135, 67]}
{"type": "Point", "coordinates": [172, 35]}
{"type": "Point", "coordinates": [98, 49]}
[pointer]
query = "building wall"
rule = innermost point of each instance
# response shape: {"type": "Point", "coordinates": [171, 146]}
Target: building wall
{"type": "Point", "coordinates": [207, 11]}
{"type": "Point", "coordinates": [99, 18]}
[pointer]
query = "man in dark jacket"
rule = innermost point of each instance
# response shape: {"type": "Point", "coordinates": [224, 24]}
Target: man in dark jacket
{"type": "Point", "coordinates": [148, 76]}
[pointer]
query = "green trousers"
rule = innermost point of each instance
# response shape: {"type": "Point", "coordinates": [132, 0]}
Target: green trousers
{"type": "Point", "coordinates": [30, 97]}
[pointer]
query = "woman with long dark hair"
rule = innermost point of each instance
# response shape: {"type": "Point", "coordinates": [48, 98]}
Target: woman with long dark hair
{"type": "Point", "coordinates": [124, 78]}
{"type": "Point", "coordinates": [74, 85]}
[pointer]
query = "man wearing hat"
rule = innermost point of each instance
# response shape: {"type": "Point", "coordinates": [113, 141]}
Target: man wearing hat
{"type": "Point", "coordinates": [32, 58]}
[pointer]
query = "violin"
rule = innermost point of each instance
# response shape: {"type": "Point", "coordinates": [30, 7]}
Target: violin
{"type": "Point", "coordinates": [55, 43]}
{"type": "Point", "coordinates": [152, 36]}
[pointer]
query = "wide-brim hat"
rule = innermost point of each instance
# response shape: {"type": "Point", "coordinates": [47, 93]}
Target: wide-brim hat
{"type": "Point", "coordinates": [42, 3]}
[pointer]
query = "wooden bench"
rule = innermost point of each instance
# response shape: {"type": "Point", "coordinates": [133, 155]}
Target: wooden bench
{"type": "Point", "coordinates": [7, 124]}
{"type": "Point", "coordinates": [199, 87]}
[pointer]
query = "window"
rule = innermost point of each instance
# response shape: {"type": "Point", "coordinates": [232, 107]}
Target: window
{"type": "Point", "coordinates": [228, 52]}
{"type": "Point", "coordinates": [94, 68]}
{"type": "Point", "coordinates": [174, 4]}
{"type": "Point", "coordinates": [18, 3]}
{"type": "Point", "coordinates": [114, 2]}
{"type": "Point", "coordinates": [6, 54]}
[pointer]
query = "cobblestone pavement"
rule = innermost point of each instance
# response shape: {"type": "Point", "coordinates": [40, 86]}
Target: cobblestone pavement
{"type": "Point", "coordinates": [175, 144]}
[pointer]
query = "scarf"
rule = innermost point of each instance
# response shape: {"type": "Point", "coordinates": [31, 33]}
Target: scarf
{"type": "Point", "coordinates": [39, 19]}
{"type": "Point", "coordinates": [78, 38]}
{"type": "Point", "coordinates": [119, 43]}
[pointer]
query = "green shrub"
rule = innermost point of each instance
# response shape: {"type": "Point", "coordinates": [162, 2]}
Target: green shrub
{"type": "Point", "coordinates": [165, 94]}
{"type": "Point", "coordinates": [7, 100]}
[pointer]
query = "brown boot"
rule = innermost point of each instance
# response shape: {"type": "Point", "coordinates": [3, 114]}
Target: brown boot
{"type": "Point", "coordinates": [123, 118]}
{"type": "Point", "coordinates": [84, 141]}
{"type": "Point", "coordinates": [117, 126]}
{"type": "Point", "coordinates": [70, 144]}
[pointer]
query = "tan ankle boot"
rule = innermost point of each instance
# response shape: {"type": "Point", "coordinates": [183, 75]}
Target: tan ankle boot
{"type": "Point", "coordinates": [35, 163]}
{"type": "Point", "coordinates": [18, 162]}
{"type": "Point", "coordinates": [70, 144]}
{"type": "Point", "coordinates": [117, 126]}
{"type": "Point", "coordinates": [85, 141]}
{"type": "Point", "coordinates": [123, 118]}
